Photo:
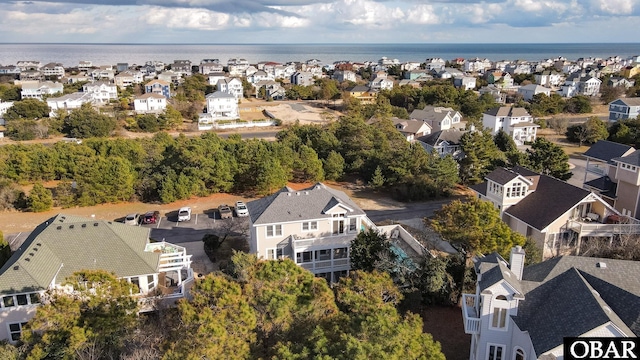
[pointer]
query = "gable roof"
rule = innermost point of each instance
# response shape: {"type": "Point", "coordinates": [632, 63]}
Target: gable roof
{"type": "Point", "coordinates": [65, 244]}
{"type": "Point", "coordinates": [631, 159]}
{"type": "Point", "coordinates": [548, 202]}
{"type": "Point", "coordinates": [220, 95]}
{"type": "Point", "coordinates": [509, 111]}
{"type": "Point", "coordinates": [288, 205]}
{"type": "Point", "coordinates": [605, 150]}
{"type": "Point", "coordinates": [633, 101]}
{"type": "Point", "coordinates": [409, 126]}
{"type": "Point", "coordinates": [432, 113]}
{"type": "Point", "coordinates": [451, 136]}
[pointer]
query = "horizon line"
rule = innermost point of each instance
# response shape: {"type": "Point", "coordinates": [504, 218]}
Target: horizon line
{"type": "Point", "coordinates": [345, 43]}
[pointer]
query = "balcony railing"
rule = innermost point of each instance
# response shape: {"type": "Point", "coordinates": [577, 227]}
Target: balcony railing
{"type": "Point", "coordinates": [598, 229]}
{"type": "Point", "coordinates": [596, 169]}
{"type": "Point", "coordinates": [469, 314]}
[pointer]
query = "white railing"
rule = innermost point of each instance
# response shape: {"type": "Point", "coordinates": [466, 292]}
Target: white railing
{"type": "Point", "coordinates": [469, 314]}
{"type": "Point", "coordinates": [596, 169]}
{"type": "Point", "coordinates": [326, 264]}
{"type": "Point", "coordinates": [598, 229]}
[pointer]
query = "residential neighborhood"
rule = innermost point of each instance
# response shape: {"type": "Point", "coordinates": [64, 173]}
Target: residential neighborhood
{"type": "Point", "coordinates": [346, 176]}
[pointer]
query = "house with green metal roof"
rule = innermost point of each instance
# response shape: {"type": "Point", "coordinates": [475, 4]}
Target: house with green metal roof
{"type": "Point", "coordinates": [66, 244]}
{"type": "Point", "coordinates": [520, 312]}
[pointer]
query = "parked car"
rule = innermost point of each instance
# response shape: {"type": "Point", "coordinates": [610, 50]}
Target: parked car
{"type": "Point", "coordinates": [241, 209]}
{"type": "Point", "coordinates": [132, 219]}
{"type": "Point", "coordinates": [184, 214]}
{"type": "Point", "coordinates": [225, 211]}
{"type": "Point", "coordinates": [151, 217]}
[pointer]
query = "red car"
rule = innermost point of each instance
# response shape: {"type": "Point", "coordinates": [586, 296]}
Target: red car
{"type": "Point", "coordinates": [151, 217]}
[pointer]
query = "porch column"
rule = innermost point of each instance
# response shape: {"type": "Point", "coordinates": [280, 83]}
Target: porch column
{"type": "Point", "coordinates": [578, 245]}
{"type": "Point", "coordinates": [585, 172]}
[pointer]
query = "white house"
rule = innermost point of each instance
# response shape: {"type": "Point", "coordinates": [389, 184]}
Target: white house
{"type": "Point", "coordinates": [220, 106]}
{"type": "Point", "coordinates": [128, 78]}
{"type": "Point", "coordinates": [208, 66]}
{"type": "Point", "coordinates": [35, 89]}
{"type": "Point", "coordinates": [381, 83]}
{"type": "Point", "coordinates": [68, 102]}
{"type": "Point", "coordinates": [4, 106]}
{"type": "Point", "coordinates": [438, 118]}
{"type": "Point", "coordinates": [580, 84]}
{"type": "Point", "coordinates": [53, 69]}
{"type": "Point", "coordinates": [344, 75]}
{"type": "Point", "coordinates": [65, 244]}
{"type": "Point", "coordinates": [149, 103]}
{"type": "Point", "coordinates": [465, 82]}
{"type": "Point", "coordinates": [515, 121]}
{"type": "Point", "coordinates": [302, 78]}
{"type": "Point", "coordinates": [313, 226]}
{"type": "Point", "coordinates": [531, 90]}
{"type": "Point", "coordinates": [231, 86]}
{"type": "Point", "coordinates": [524, 313]}
{"type": "Point", "coordinates": [102, 92]}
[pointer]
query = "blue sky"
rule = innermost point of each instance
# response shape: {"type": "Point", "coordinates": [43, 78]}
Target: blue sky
{"type": "Point", "coordinates": [320, 21]}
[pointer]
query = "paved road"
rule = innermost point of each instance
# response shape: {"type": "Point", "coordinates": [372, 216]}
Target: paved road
{"type": "Point", "coordinates": [578, 165]}
{"type": "Point", "coordinates": [168, 229]}
{"type": "Point", "coordinates": [409, 211]}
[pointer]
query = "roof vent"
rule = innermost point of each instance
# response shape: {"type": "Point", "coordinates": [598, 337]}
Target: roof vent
{"type": "Point", "coordinates": [601, 265]}
{"type": "Point", "coordinates": [31, 254]}
{"type": "Point", "coordinates": [27, 259]}
{"type": "Point", "coordinates": [84, 225]}
{"type": "Point", "coordinates": [39, 244]}
{"type": "Point", "coordinates": [71, 226]}
{"type": "Point", "coordinates": [35, 249]}
{"type": "Point", "coordinates": [16, 267]}
{"type": "Point", "coordinates": [288, 194]}
{"type": "Point", "coordinates": [95, 224]}
{"type": "Point", "coordinates": [306, 193]}
{"type": "Point", "coordinates": [298, 193]}
{"type": "Point", "coordinates": [59, 227]}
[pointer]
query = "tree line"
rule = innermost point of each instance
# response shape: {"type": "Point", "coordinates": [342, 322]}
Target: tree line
{"type": "Point", "coordinates": [166, 169]}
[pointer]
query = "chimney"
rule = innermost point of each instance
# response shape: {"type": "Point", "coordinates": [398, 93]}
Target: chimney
{"type": "Point", "coordinates": [516, 261]}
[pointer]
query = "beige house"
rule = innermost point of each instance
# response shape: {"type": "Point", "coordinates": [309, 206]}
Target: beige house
{"type": "Point", "coordinates": [313, 226]}
{"type": "Point", "coordinates": [557, 215]}
{"type": "Point", "coordinates": [65, 244]}
{"type": "Point", "coordinates": [612, 171]}
{"type": "Point", "coordinates": [439, 118]}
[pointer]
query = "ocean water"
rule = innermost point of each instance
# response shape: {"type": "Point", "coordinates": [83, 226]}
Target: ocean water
{"type": "Point", "coordinates": [104, 54]}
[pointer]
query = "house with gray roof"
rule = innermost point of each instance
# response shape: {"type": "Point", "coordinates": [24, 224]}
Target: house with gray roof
{"type": "Point", "coordinates": [443, 143]}
{"type": "Point", "coordinates": [410, 129]}
{"type": "Point", "coordinates": [439, 118]}
{"type": "Point", "coordinates": [624, 108]}
{"type": "Point", "coordinates": [523, 312]}
{"type": "Point", "coordinates": [558, 216]}
{"type": "Point", "coordinates": [65, 244]}
{"type": "Point", "coordinates": [612, 171]}
{"type": "Point", "coordinates": [313, 226]}
{"type": "Point", "coordinates": [515, 121]}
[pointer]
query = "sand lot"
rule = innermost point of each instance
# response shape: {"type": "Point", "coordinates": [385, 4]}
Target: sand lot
{"type": "Point", "coordinates": [306, 112]}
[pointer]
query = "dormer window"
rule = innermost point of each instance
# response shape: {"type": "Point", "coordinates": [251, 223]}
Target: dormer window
{"type": "Point", "coordinates": [517, 189]}
{"type": "Point", "coordinates": [495, 188]}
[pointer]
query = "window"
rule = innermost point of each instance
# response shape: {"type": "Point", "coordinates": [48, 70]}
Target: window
{"type": "Point", "coordinates": [323, 254]}
{"type": "Point", "coordinates": [274, 230]}
{"type": "Point", "coordinates": [495, 352]}
{"type": "Point", "coordinates": [340, 253]}
{"type": "Point", "coordinates": [519, 354]}
{"type": "Point", "coordinates": [22, 299]}
{"type": "Point", "coordinates": [353, 224]}
{"type": "Point", "coordinates": [499, 319]}
{"type": "Point", "coordinates": [8, 301]}
{"type": "Point", "coordinates": [310, 226]}
{"type": "Point", "coordinates": [516, 190]}
{"type": "Point", "coordinates": [151, 282]}
{"type": "Point", "coordinates": [303, 257]}
{"type": "Point", "coordinates": [628, 167]}
{"type": "Point", "coordinates": [34, 298]}
{"type": "Point", "coordinates": [135, 281]}
{"type": "Point", "coordinates": [15, 330]}
{"type": "Point", "coordinates": [274, 254]}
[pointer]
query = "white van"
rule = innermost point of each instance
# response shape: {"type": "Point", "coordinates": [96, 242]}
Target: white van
{"type": "Point", "coordinates": [184, 214]}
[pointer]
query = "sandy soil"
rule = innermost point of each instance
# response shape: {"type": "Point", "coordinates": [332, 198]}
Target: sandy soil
{"type": "Point", "coordinates": [16, 221]}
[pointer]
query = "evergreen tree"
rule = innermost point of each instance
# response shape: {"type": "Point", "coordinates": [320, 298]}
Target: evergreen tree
{"type": "Point", "coordinates": [377, 180]}
{"type": "Point", "coordinates": [333, 166]}
{"type": "Point", "coordinates": [481, 156]}
{"type": "Point", "coordinates": [40, 198]}
{"type": "Point", "coordinates": [548, 158]}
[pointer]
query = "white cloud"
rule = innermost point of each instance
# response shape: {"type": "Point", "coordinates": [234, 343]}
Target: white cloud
{"type": "Point", "coordinates": [423, 14]}
{"type": "Point", "coordinates": [616, 7]}
{"type": "Point", "coordinates": [197, 19]}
